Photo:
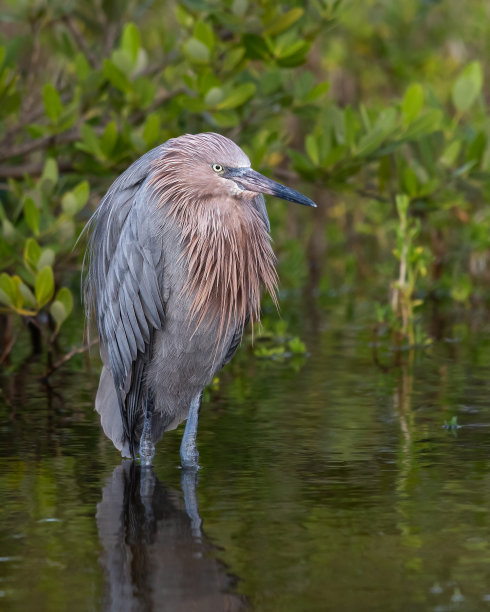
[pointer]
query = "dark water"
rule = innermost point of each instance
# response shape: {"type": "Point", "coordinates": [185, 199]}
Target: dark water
{"type": "Point", "coordinates": [327, 483]}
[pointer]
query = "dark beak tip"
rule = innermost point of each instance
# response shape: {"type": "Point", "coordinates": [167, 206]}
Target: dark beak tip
{"type": "Point", "coordinates": [304, 201]}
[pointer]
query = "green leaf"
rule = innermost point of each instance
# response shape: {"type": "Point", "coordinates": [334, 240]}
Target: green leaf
{"type": "Point", "coordinates": [131, 41]}
{"type": "Point", "coordinates": [370, 142]}
{"type": "Point", "coordinates": [204, 33]}
{"type": "Point", "coordinates": [297, 346]}
{"type": "Point", "coordinates": [461, 288]}
{"type": "Point", "coordinates": [284, 51]}
{"type": "Point", "coordinates": [301, 163]}
{"type": "Point", "coordinates": [62, 306]}
{"type": "Point", "coordinates": [256, 47]}
{"type": "Point", "coordinates": [477, 147]}
{"type": "Point", "coordinates": [151, 129]}
{"type": "Point", "coordinates": [18, 297]}
{"type": "Point", "coordinates": [450, 154]}
{"type": "Point", "coordinates": [317, 91]}
{"type": "Point", "coordinates": [50, 171]}
{"type": "Point", "coordinates": [146, 90]}
{"type": "Point", "coordinates": [109, 138]}
{"type": "Point", "coordinates": [402, 204]}
{"type": "Point", "coordinates": [46, 259]}
{"type": "Point", "coordinates": [295, 59]}
{"type": "Point", "coordinates": [58, 312]}
{"type": "Point", "coordinates": [413, 101]}
{"type": "Point", "coordinates": [467, 87]}
{"type": "Point", "coordinates": [65, 296]}
{"type": "Point", "coordinates": [205, 81]}
{"type": "Point", "coordinates": [81, 193]}
{"type": "Point", "coordinates": [32, 254]}
{"type": "Point", "coordinates": [44, 285]}
{"type": "Point", "coordinates": [239, 7]}
{"type": "Point", "coordinates": [35, 130]}
{"type": "Point", "coordinates": [214, 96]}
{"type": "Point", "coordinates": [289, 50]}
{"type": "Point", "coordinates": [116, 77]}
{"type": "Point", "coordinates": [124, 63]}
{"type": "Point", "coordinates": [8, 229]}
{"type": "Point", "coordinates": [274, 351]}
{"type": "Point", "coordinates": [27, 295]}
{"type": "Point", "coordinates": [284, 22]}
{"type": "Point", "coordinates": [237, 97]}
{"type": "Point", "coordinates": [7, 289]}
{"type": "Point", "coordinates": [10, 293]}
{"type": "Point", "coordinates": [197, 51]}
{"type": "Point", "coordinates": [232, 58]}
{"type": "Point", "coordinates": [52, 102]}
{"type": "Point", "coordinates": [69, 203]}
{"type": "Point", "coordinates": [311, 147]}
{"type": "Point", "coordinates": [303, 84]}
{"type": "Point", "coordinates": [351, 126]}
{"type": "Point", "coordinates": [31, 215]}
{"type": "Point", "coordinates": [428, 123]}
{"type": "Point", "coordinates": [226, 118]}
{"type": "Point", "coordinates": [184, 18]}
{"type": "Point", "coordinates": [90, 141]}
{"type": "Point", "coordinates": [386, 120]}
{"type": "Point", "coordinates": [410, 181]}
{"type": "Point", "coordinates": [82, 67]}
{"type": "Point", "coordinates": [195, 105]}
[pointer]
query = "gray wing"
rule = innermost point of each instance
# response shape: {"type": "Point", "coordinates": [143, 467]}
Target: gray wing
{"type": "Point", "coordinates": [235, 342]}
{"type": "Point", "coordinates": [130, 305]}
{"type": "Point", "coordinates": [124, 282]}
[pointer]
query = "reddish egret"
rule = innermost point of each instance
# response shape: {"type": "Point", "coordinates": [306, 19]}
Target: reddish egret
{"type": "Point", "coordinates": [179, 251]}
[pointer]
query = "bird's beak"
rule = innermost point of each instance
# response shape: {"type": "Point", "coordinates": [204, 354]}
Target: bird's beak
{"type": "Point", "coordinates": [249, 180]}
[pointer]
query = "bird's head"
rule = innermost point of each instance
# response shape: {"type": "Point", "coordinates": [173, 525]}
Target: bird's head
{"type": "Point", "coordinates": [209, 166]}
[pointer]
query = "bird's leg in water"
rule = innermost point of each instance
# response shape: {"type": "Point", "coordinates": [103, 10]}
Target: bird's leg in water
{"type": "Point", "coordinates": [147, 448]}
{"type": "Point", "coordinates": [188, 451]}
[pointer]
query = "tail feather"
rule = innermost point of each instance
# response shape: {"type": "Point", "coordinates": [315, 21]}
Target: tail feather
{"type": "Point", "coordinates": [135, 402]}
{"type": "Point", "coordinates": [122, 416]}
{"type": "Point", "coordinates": [107, 405]}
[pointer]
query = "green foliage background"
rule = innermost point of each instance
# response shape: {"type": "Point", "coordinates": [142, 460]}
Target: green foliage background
{"type": "Point", "coordinates": [378, 110]}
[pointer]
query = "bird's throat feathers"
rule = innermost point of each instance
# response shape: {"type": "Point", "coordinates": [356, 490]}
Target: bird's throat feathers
{"type": "Point", "coordinates": [228, 253]}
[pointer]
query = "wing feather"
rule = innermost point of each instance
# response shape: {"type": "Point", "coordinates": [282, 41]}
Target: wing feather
{"type": "Point", "coordinates": [235, 342]}
{"type": "Point", "coordinates": [124, 286]}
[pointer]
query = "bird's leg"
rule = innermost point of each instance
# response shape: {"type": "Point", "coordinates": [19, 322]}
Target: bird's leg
{"type": "Point", "coordinates": [188, 451]}
{"type": "Point", "coordinates": [147, 448]}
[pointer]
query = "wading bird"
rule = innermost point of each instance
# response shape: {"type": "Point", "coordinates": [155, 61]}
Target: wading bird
{"type": "Point", "coordinates": [178, 253]}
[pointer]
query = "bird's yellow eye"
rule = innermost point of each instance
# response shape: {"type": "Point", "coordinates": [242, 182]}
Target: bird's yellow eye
{"type": "Point", "coordinates": [217, 167]}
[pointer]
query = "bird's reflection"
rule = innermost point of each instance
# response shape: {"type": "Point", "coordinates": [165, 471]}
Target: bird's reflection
{"type": "Point", "coordinates": [154, 554]}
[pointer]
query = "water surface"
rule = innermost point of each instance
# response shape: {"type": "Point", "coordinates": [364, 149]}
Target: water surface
{"type": "Point", "coordinates": [327, 483]}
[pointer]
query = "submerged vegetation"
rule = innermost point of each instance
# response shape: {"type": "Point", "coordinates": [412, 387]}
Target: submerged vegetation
{"type": "Point", "coordinates": [379, 110]}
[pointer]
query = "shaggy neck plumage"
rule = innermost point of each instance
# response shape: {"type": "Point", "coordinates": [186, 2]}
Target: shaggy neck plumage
{"type": "Point", "coordinates": [225, 241]}
{"type": "Point", "coordinates": [229, 257]}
